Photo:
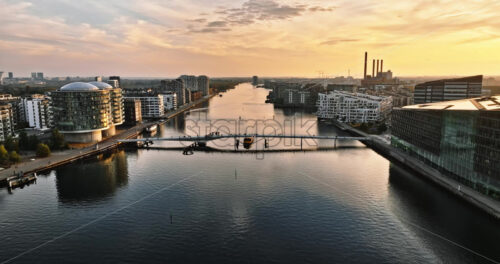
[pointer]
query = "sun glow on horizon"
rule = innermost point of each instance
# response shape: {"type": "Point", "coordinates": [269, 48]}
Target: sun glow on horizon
{"type": "Point", "coordinates": [246, 37]}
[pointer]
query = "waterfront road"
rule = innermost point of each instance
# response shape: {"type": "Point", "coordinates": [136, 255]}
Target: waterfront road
{"type": "Point", "coordinates": [62, 157]}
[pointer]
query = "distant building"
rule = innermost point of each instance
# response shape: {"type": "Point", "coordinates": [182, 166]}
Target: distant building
{"type": "Point", "coordinates": [203, 84]}
{"type": "Point", "coordinates": [11, 75]}
{"type": "Point", "coordinates": [169, 100]}
{"type": "Point", "coordinates": [255, 80]}
{"type": "Point", "coordinates": [113, 83]}
{"type": "Point", "coordinates": [448, 89]}
{"type": "Point", "coordinates": [118, 83]}
{"type": "Point", "coordinates": [98, 78]}
{"type": "Point", "coordinates": [351, 88]}
{"type": "Point", "coordinates": [287, 94]}
{"type": "Point", "coordinates": [177, 86]}
{"type": "Point", "coordinates": [133, 114]}
{"type": "Point", "coordinates": [6, 123]}
{"type": "Point", "coordinates": [190, 81]}
{"type": "Point", "coordinates": [187, 95]}
{"type": "Point", "coordinates": [39, 76]}
{"type": "Point", "coordinates": [460, 139]}
{"type": "Point", "coordinates": [353, 107]}
{"type": "Point", "coordinates": [33, 75]}
{"type": "Point", "coordinates": [37, 111]}
{"type": "Point", "coordinates": [151, 106]}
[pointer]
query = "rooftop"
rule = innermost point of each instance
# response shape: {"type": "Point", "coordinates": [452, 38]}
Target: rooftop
{"type": "Point", "coordinates": [473, 79]}
{"type": "Point", "coordinates": [78, 86]}
{"type": "Point", "coordinates": [101, 85]}
{"type": "Point", "coordinates": [491, 103]}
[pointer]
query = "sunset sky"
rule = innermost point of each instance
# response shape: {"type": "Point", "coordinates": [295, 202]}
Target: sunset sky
{"type": "Point", "coordinates": [242, 38]}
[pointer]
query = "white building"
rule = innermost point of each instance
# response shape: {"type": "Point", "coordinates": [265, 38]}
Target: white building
{"type": "Point", "coordinates": [169, 101]}
{"type": "Point", "coordinates": [37, 111]}
{"type": "Point", "coordinates": [151, 106]}
{"type": "Point", "coordinates": [353, 107]}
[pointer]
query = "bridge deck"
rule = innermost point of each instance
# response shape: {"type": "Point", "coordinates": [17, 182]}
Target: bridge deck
{"type": "Point", "coordinates": [215, 137]}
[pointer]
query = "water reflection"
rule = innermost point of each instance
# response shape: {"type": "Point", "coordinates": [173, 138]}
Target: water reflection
{"type": "Point", "coordinates": [93, 180]}
{"type": "Point", "coordinates": [417, 202]}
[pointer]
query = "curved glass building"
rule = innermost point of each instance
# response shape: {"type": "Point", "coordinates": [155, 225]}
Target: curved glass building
{"type": "Point", "coordinates": [85, 112]}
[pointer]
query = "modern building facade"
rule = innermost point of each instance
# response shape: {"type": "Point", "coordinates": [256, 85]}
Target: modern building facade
{"type": "Point", "coordinates": [448, 89]}
{"type": "Point", "coordinates": [178, 87]}
{"type": "Point", "coordinates": [133, 114]}
{"type": "Point", "coordinates": [151, 106]}
{"type": "Point", "coordinates": [37, 111]}
{"type": "Point", "coordinates": [6, 122]}
{"type": "Point", "coordinates": [116, 104]}
{"type": "Point", "coordinates": [82, 112]}
{"type": "Point", "coordinates": [169, 100]}
{"type": "Point", "coordinates": [17, 109]}
{"type": "Point", "coordinates": [459, 138]}
{"type": "Point", "coordinates": [353, 107]}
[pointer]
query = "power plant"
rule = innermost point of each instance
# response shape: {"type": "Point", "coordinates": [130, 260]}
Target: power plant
{"type": "Point", "coordinates": [378, 75]}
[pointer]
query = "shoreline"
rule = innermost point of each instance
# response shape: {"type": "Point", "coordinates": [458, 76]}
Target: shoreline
{"type": "Point", "coordinates": [68, 156]}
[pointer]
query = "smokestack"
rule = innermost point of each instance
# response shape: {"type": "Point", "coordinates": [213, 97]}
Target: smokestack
{"type": "Point", "coordinates": [366, 60]}
{"type": "Point", "coordinates": [382, 66]}
{"type": "Point", "coordinates": [378, 61]}
{"type": "Point", "coordinates": [373, 69]}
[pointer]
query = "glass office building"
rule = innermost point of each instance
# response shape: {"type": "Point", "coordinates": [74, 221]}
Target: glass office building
{"type": "Point", "coordinates": [459, 138]}
{"type": "Point", "coordinates": [82, 111]}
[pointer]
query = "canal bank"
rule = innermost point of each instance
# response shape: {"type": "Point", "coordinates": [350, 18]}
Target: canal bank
{"type": "Point", "coordinates": [475, 198]}
{"type": "Point", "coordinates": [68, 156]}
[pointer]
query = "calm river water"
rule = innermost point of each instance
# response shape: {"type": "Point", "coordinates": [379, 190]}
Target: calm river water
{"type": "Point", "coordinates": [347, 205]}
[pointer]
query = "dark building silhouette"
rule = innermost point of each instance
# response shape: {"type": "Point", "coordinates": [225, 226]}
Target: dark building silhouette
{"type": "Point", "coordinates": [448, 89]}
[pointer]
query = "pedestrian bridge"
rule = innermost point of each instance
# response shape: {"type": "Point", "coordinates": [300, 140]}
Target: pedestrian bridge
{"type": "Point", "coordinates": [216, 136]}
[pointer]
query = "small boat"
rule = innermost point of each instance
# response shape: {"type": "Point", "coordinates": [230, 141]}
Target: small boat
{"type": "Point", "coordinates": [247, 142]}
{"type": "Point", "coordinates": [152, 128]}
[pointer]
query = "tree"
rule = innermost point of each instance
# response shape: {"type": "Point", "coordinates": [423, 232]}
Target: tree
{"type": "Point", "coordinates": [11, 144]}
{"type": "Point", "coordinates": [57, 140]}
{"type": "Point", "coordinates": [42, 150]}
{"type": "Point", "coordinates": [4, 155]}
{"type": "Point", "coordinates": [33, 142]}
{"type": "Point", "coordinates": [14, 157]}
{"type": "Point", "coordinates": [23, 141]}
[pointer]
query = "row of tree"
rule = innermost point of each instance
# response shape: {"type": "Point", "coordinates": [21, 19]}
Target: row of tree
{"type": "Point", "coordinates": [9, 151]}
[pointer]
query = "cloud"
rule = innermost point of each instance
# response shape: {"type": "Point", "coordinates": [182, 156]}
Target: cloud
{"type": "Point", "coordinates": [253, 11]}
{"type": "Point", "coordinates": [337, 41]}
{"type": "Point", "coordinates": [198, 20]}
{"type": "Point", "coordinates": [217, 24]}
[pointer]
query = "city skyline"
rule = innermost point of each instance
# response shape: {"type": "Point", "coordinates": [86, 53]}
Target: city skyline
{"type": "Point", "coordinates": [238, 38]}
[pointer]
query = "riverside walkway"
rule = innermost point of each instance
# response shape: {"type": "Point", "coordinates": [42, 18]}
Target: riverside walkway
{"type": "Point", "coordinates": [62, 157]}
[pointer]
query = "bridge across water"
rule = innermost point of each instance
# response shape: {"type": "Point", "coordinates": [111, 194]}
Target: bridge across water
{"type": "Point", "coordinates": [214, 136]}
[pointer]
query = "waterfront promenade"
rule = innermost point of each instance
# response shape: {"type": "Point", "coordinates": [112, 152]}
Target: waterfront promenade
{"type": "Point", "coordinates": [62, 157]}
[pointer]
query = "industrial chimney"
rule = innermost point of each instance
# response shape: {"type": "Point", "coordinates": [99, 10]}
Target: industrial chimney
{"type": "Point", "coordinates": [366, 60]}
{"type": "Point", "coordinates": [378, 61]}
{"type": "Point", "coordinates": [373, 69]}
{"type": "Point", "coordinates": [382, 66]}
